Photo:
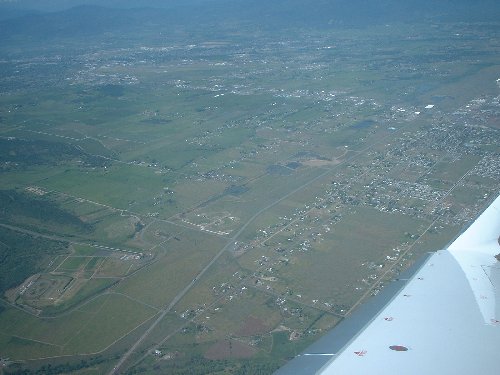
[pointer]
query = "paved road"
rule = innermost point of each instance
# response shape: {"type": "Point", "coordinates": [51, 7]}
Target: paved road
{"type": "Point", "coordinates": [231, 244]}
{"type": "Point", "coordinates": [228, 246]}
{"type": "Point", "coordinates": [63, 239]}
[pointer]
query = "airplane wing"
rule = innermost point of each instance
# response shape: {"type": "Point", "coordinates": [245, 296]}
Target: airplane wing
{"type": "Point", "coordinates": [440, 317]}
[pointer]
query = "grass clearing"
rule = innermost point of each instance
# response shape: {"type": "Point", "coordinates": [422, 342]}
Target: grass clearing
{"type": "Point", "coordinates": [359, 242]}
{"type": "Point", "coordinates": [208, 288]}
{"type": "Point", "coordinates": [121, 187]}
{"type": "Point", "coordinates": [73, 263]}
{"type": "Point", "coordinates": [248, 313]}
{"type": "Point", "coordinates": [112, 267]}
{"type": "Point", "coordinates": [116, 316]}
{"type": "Point", "coordinates": [182, 260]}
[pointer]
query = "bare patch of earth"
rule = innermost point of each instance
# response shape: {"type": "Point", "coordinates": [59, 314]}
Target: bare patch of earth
{"type": "Point", "coordinates": [225, 349]}
{"type": "Point", "coordinates": [320, 162]}
{"type": "Point", "coordinates": [251, 327]}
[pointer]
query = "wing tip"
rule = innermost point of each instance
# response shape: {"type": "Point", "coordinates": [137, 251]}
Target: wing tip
{"type": "Point", "coordinates": [483, 235]}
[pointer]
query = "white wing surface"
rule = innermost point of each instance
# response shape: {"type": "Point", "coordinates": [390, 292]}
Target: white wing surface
{"type": "Point", "coordinates": [443, 318]}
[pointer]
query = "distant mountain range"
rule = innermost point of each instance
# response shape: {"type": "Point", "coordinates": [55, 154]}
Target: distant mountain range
{"type": "Point", "coordinates": [57, 5]}
{"type": "Point", "coordinates": [80, 17]}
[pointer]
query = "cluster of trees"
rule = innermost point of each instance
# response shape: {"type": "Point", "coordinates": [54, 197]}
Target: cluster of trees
{"type": "Point", "coordinates": [25, 209]}
{"type": "Point", "coordinates": [15, 152]}
{"type": "Point", "coordinates": [257, 368]}
{"type": "Point", "coordinates": [198, 365]}
{"type": "Point", "coordinates": [195, 365]}
{"type": "Point", "coordinates": [22, 256]}
{"type": "Point", "coordinates": [63, 368]}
